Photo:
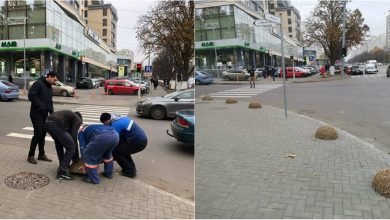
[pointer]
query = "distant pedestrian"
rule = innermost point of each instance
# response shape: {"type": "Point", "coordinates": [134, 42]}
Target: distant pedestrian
{"type": "Point", "coordinates": [265, 72]}
{"type": "Point", "coordinates": [10, 78]}
{"type": "Point", "coordinates": [132, 140]}
{"type": "Point", "coordinates": [63, 127]}
{"type": "Point", "coordinates": [40, 96]}
{"type": "Point", "coordinates": [323, 71]}
{"type": "Point", "coordinates": [252, 78]}
{"type": "Point", "coordinates": [97, 141]}
{"type": "Point", "coordinates": [273, 73]}
{"type": "Point", "coordinates": [155, 82]}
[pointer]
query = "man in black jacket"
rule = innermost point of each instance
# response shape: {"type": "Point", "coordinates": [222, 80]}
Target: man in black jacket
{"type": "Point", "coordinates": [63, 127]}
{"type": "Point", "coordinates": [40, 96]}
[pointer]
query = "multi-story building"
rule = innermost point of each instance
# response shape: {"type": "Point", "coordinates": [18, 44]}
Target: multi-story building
{"type": "Point", "coordinates": [291, 18]}
{"type": "Point", "coordinates": [103, 18]}
{"type": "Point", "coordinates": [226, 37]}
{"type": "Point", "coordinates": [388, 32]}
{"type": "Point", "coordinates": [56, 38]}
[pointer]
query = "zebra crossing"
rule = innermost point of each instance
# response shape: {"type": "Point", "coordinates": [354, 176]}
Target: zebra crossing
{"type": "Point", "coordinates": [90, 113]}
{"type": "Point", "coordinates": [245, 92]}
{"type": "Point", "coordinates": [368, 75]}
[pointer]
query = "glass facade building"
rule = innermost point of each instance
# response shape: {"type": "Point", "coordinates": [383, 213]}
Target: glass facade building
{"type": "Point", "coordinates": [55, 39]}
{"type": "Point", "coordinates": [227, 33]}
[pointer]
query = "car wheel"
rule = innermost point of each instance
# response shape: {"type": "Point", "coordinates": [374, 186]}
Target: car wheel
{"type": "Point", "coordinates": [197, 82]}
{"type": "Point", "coordinates": [64, 93]}
{"type": "Point", "coordinates": [158, 112]}
{"type": "Point", "coordinates": [110, 92]}
{"type": "Point", "coordinates": [90, 86]}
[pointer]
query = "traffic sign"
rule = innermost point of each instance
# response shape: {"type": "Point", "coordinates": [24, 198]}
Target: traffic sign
{"type": "Point", "coordinates": [272, 18]}
{"type": "Point", "coordinates": [262, 22]}
{"type": "Point", "coordinates": [148, 69]}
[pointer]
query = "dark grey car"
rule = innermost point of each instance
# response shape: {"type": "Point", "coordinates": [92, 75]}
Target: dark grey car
{"type": "Point", "coordinates": [166, 106]}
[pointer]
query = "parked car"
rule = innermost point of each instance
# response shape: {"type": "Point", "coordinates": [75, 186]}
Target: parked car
{"type": "Point", "coordinates": [240, 74]}
{"type": "Point", "coordinates": [59, 89]}
{"type": "Point", "coordinates": [259, 72]}
{"type": "Point", "coordinates": [84, 83]}
{"type": "Point", "coordinates": [95, 82]}
{"type": "Point", "coordinates": [299, 72]}
{"type": "Point", "coordinates": [166, 106]}
{"type": "Point", "coordinates": [370, 68]}
{"type": "Point", "coordinates": [8, 91]}
{"type": "Point", "coordinates": [121, 86]}
{"type": "Point", "coordinates": [357, 69]}
{"type": "Point", "coordinates": [145, 88]}
{"type": "Point", "coordinates": [202, 78]}
{"type": "Point", "coordinates": [183, 126]}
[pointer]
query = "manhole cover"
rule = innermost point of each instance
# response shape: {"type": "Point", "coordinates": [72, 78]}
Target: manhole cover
{"type": "Point", "coordinates": [27, 181]}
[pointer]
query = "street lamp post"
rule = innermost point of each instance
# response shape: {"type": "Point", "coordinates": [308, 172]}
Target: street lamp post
{"type": "Point", "coordinates": [343, 40]}
{"type": "Point", "coordinates": [215, 51]}
{"type": "Point", "coordinates": [24, 52]}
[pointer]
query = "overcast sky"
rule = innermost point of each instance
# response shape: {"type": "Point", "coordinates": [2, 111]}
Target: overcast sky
{"type": "Point", "coordinates": [128, 13]}
{"type": "Point", "coordinates": [374, 12]}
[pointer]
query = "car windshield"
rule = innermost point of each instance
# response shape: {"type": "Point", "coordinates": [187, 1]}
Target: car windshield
{"type": "Point", "coordinates": [370, 66]}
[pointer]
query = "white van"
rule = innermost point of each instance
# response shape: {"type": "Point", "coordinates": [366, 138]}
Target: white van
{"type": "Point", "coordinates": [373, 62]}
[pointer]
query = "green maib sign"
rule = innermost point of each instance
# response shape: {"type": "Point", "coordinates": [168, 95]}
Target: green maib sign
{"type": "Point", "coordinates": [9, 44]}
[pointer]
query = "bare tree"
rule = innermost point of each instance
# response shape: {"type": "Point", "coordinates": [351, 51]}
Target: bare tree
{"type": "Point", "coordinates": [169, 27]}
{"type": "Point", "coordinates": [325, 27]}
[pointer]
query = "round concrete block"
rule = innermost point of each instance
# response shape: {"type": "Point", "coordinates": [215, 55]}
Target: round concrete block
{"type": "Point", "coordinates": [255, 104]}
{"type": "Point", "coordinates": [231, 101]}
{"type": "Point", "coordinates": [207, 98]}
{"type": "Point", "coordinates": [326, 133]}
{"type": "Point", "coordinates": [381, 182]}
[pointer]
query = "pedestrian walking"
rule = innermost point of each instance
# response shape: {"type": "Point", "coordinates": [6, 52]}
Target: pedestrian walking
{"type": "Point", "coordinates": [97, 141]}
{"type": "Point", "coordinates": [63, 127]}
{"type": "Point", "coordinates": [265, 72]}
{"type": "Point", "coordinates": [132, 140]}
{"type": "Point", "coordinates": [155, 82]}
{"type": "Point", "coordinates": [323, 71]}
{"type": "Point", "coordinates": [252, 78]}
{"type": "Point", "coordinates": [273, 73]}
{"type": "Point", "coordinates": [40, 96]}
{"type": "Point", "coordinates": [10, 78]}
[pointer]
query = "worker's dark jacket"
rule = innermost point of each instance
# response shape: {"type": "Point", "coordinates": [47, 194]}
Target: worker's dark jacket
{"type": "Point", "coordinates": [40, 96]}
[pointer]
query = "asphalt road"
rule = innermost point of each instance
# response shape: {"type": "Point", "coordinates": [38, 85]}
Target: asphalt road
{"type": "Point", "coordinates": [165, 163]}
{"type": "Point", "coordinates": [359, 105]}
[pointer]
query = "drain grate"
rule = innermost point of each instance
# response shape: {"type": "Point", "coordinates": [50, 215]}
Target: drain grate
{"type": "Point", "coordinates": [27, 181]}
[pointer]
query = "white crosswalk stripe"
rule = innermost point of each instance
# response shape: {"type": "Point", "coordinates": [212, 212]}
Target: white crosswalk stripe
{"type": "Point", "coordinates": [90, 113]}
{"type": "Point", "coordinates": [245, 92]}
{"type": "Point", "coordinates": [367, 75]}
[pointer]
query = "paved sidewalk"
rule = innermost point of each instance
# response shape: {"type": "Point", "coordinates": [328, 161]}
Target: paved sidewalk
{"type": "Point", "coordinates": [120, 197]}
{"type": "Point", "coordinates": [242, 170]}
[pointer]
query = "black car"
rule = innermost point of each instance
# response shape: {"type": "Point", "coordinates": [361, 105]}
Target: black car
{"type": "Point", "coordinates": [84, 83]}
{"type": "Point", "coordinates": [357, 69]}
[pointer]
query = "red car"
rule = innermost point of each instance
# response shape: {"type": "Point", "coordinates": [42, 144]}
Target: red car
{"type": "Point", "coordinates": [120, 86]}
{"type": "Point", "coordinates": [299, 72]}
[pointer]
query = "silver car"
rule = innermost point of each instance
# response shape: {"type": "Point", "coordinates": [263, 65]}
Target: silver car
{"type": "Point", "coordinates": [240, 74]}
{"type": "Point", "coordinates": [166, 106]}
{"type": "Point", "coordinates": [8, 91]}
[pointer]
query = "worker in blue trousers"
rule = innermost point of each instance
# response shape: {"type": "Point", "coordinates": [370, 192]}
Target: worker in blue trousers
{"type": "Point", "coordinates": [132, 140]}
{"type": "Point", "coordinates": [97, 141]}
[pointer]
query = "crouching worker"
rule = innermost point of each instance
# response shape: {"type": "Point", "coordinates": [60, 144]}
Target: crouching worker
{"type": "Point", "coordinates": [63, 126]}
{"type": "Point", "coordinates": [97, 142]}
{"type": "Point", "coordinates": [132, 140]}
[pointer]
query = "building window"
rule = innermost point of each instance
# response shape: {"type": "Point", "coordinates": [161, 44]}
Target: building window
{"type": "Point", "coordinates": [289, 21]}
{"type": "Point", "coordinates": [105, 40]}
{"type": "Point", "coordinates": [104, 32]}
{"type": "Point", "coordinates": [86, 3]}
{"type": "Point", "coordinates": [290, 36]}
{"type": "Point", "coordinates": [85, 13]}
{"type": "Point", "coordinates": [104, 22]}
{"type": "Point", "coordinates": [105, 12]}
{"type": "Point", "coordinates": [289, 12]}
{"type": "Point", "coordinates": [271, 6]}
{"type": "Point", "coordinates": [289, 29]}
